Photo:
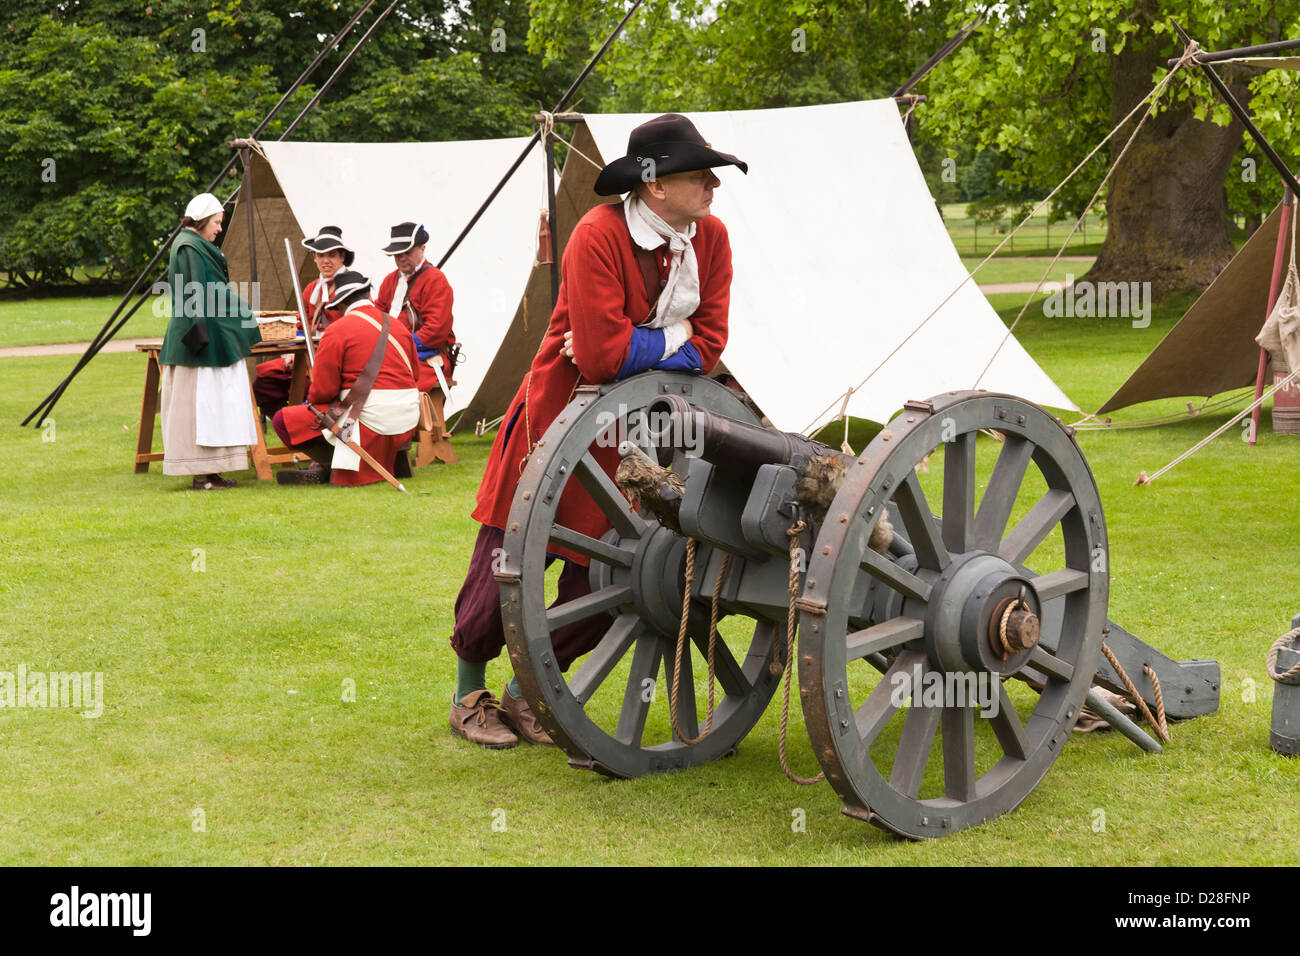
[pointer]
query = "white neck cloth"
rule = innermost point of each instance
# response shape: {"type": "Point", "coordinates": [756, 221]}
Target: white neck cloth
{"type": "Point", "coordinates": [681, 293]}
{"type": "Point", "coordinates": [399, 294]}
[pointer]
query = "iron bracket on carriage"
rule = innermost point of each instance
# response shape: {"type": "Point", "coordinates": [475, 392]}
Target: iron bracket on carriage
{"type": "Point", "coordinates": [951, 594]}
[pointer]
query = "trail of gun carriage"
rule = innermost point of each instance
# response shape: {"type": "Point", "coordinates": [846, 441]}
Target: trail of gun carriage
{"type": "Point", "coordinates": [686, 409]}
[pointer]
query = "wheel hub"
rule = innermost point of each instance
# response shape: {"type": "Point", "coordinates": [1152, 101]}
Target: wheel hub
{"type": "Point", "coordinates": [968, 606]}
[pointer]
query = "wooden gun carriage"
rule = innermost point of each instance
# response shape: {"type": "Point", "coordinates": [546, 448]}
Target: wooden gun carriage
{"type": "Point", "coordinates": [779, 522]}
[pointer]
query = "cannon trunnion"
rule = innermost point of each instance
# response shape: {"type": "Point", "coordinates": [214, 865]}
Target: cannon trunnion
{"type": "Point", "coordinates": [939, 674]}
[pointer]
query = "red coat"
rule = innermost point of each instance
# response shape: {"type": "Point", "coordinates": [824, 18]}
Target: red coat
{"type": "Point", "coordinates": [328, 316]}
{"type": "Point", "coordinates": [275, 367]}
{"type": "Point", "coordinates": [601, 290]}
{"type": "Point", "coordinates": [342, 354]}
{"type": "Point", "coordinates": [431, 296]}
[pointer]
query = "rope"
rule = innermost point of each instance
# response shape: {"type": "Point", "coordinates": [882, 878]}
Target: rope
{"type": "Point", "coordinates": [1271, 664]}
{"type": "Point", "coordinates": [1156, 421]}
{"type": "Point", "coordinates": [1002, 627]}
{"type": "Point", "coordinates": [569, 143]}
{"type": "Point", "coordinates": [795, 530]}
{"type": "Point", "coordinates": [1268, 393]}
{"type": "Point", "coordinates": [675, 687]}
{"type": "Point", "coordinates": [1153, 96]}
{"type": "Point", "coordinates": [1161, 727]}
{"type": "Point", "coordinates": [1158, 87]}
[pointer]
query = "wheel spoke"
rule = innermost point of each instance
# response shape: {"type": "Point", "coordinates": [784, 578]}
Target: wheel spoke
{"type": "Point", "coordinates": [886, 571]}
{"type": "Point", "coordinates": [1000, 497]}
{"type": "Point", "coordinates": [587, 606]}
{"type": "Point", "coordinates": [591, 547]}
{"type": "Point", "coordinates": [1059, 583]}
{"type": "Point", "coordinates": [959, 493]}
{"type": "Point", "coordinates": [879, 706]}
{"type": "Point", "coordinates": [1030, 530]}
{"type": "Point", "coordinates": [914, 748]}
{"type": "Point", "coordinates": [606, 655]}
{"type": "Point", "coordinates": [1050, 664]}
{"type": "Point", "coordinates": [924, 531]}
{"type": "Point", "coordinates": [639, 695]}
{"type": "Point", "coordinates": [608, 498]}
{"type": "Point", "coordinates": [881, 637]}
{"type": "Point", "coordinates": [731, 677]}
{"type": "Point", "coordinates": [1006, 725]}
{"type": "Point", "coordinates": [959, 753]}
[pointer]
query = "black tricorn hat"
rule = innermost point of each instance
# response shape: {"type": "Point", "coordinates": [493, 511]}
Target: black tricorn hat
{"type": "Point", "coordinates": [327, 240]}
{"type": "Point", "coordinates": [661, 146]}
{"type": "Point", "coordinates": [346, 285]}
{"type": "Point", "coordinates": [404, 236]}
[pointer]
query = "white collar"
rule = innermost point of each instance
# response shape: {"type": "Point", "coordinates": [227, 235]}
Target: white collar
{"type": "Point", "coordinates": [358, 304]}
{"type": "Point", "coordinates": [642, 233]}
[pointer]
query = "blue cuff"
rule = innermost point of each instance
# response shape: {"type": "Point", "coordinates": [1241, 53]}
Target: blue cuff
{"type": "Point", "coordinates": [685, 359]}
{"type": "Point", "coordinates": [424, 351]}
{"type": "Point", "coordinates": [643, 352]}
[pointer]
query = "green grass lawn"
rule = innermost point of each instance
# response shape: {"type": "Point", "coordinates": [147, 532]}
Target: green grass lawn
{"type": "Point", "coordinates": [1000, 270]}
{"type": "Point", "coordinates": [230, 626]}
{"type": "Point", "coordinates": [49, 321]}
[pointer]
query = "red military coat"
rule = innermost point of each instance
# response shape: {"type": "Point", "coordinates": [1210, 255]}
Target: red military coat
{"type": "Point", "coordinates": [343, 352]}
{"type": "Point", "coordinates": [429, 293]}
{"type": "Point", "coordinates": [602, 297]}
{"type": "Point", "coordinates": [328, 316]}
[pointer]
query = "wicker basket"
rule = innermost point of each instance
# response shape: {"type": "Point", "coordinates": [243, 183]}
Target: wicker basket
{"type": "Point", "coordinates": [277, 326]}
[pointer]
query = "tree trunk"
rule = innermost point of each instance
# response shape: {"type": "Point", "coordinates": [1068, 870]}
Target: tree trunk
{"type": "Point", "coordinates": [1166, 207]}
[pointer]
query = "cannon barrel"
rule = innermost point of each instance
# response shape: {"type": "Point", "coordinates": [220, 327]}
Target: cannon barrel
{"type": "Point", "coordinates": [724, 441]}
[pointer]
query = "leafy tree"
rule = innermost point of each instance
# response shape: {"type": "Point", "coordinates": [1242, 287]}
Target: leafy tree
{"type": "Point", "coordinates": [105, 142]}
{"type": "Point", "coordinates": [1045, 80]}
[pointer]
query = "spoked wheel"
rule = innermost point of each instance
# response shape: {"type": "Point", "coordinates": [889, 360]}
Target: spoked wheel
{"type": "Point", "coordinates": [953, 614]}
{"type": "Point", "coordinates": [609, 711]}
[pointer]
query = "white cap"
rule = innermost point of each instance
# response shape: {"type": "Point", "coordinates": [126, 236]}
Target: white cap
{"type": "Point", "coordinates": [202, 206]}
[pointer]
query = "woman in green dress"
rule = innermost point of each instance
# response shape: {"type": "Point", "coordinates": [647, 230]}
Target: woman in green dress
{"type": "Point", "coordinates": [207, 411]}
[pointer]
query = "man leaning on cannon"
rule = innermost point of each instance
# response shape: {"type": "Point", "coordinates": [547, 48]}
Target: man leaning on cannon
{"type": "Point", "coordinates": [645, 284]}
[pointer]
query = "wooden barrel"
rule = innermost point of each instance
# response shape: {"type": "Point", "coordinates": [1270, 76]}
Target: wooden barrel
{"type": "Point", "coordinates": [1286, 402]}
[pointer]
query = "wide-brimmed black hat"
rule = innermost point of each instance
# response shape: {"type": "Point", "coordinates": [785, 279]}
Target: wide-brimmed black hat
{"type": "Point", "coordinates": [327, 240]}
{"type": "Point", "coordinates": [346, 285]}
{"type": "Point", "coordinates": [664, 145]}
{"type": "Point", "coordinates": [405, 236]}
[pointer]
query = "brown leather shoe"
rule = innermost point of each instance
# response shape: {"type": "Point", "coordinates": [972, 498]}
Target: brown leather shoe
{"type": "Point", "coordinates": [477, 718]}
{"type": "Point", "coordinates": [517, 714]}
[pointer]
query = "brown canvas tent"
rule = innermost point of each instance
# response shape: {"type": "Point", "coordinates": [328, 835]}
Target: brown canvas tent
{"type": "Point", "coordinates": [1212, 349]}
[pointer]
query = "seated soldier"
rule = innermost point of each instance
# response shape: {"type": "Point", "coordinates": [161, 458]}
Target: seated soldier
{"type": "Point", "coordinates": [345, 375]}
{"type": "Point", "coordinates": [271, 387]}
{"type": "Point", "coordinates": [419, 292]}
{"type": "Point", "coordinates": [645, 283]}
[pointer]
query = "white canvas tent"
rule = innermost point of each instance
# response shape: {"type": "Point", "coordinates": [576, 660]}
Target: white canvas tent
{"type": "Point", "coordinates": [366, 188]}
{"type": "Point", "coordinates": [839, 255]}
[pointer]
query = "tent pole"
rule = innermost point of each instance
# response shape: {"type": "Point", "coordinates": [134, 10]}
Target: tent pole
{"type": "Point", "coordinates": [337, 70]}
{"type": "Point", "coordinates": [564, 100]}
{"type": "Point", "coordinates": [1276, 47]}
{"type": "Point", "coordinates": [245, 158]}
{"type": "Point", "coordinates": [939, 55]}
{"type": "Point", "coordinates": [555, 226]}
{"type": "Point", "coordinates": [105, 333]}
{"type": "Point", "coordinates": [1274, 289]}
{"type": "Point", "coordinates": [1240, 112]}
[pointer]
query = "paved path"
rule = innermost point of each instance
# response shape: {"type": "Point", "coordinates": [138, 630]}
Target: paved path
{"type": "Point", "coordinates": [71, 348]}
{"type": "Point", "coordinates": [1051, 285]}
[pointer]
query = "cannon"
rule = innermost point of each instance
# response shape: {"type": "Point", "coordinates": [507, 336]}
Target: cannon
{"type": "Point", "coordinates": [949, 586]}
